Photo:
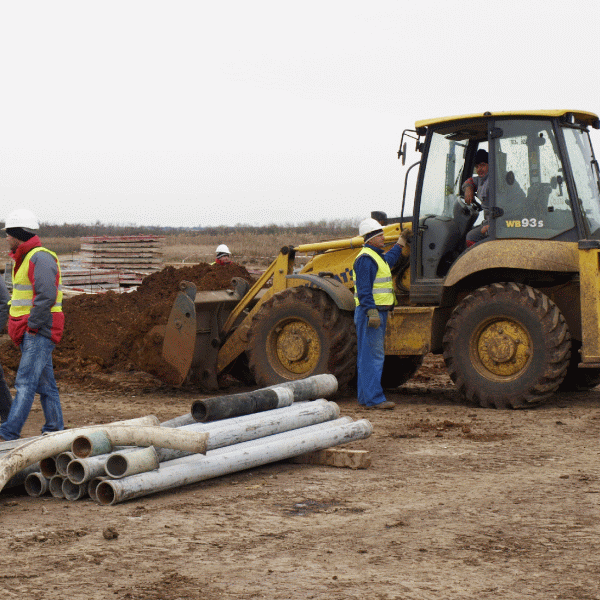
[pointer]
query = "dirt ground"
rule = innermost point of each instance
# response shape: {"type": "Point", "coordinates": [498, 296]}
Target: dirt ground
{"type": "Point", "coordinates": [459, 502]}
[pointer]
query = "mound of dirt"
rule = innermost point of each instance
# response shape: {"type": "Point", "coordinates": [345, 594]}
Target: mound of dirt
{"type": "Point", "coordinates": [110, 332]}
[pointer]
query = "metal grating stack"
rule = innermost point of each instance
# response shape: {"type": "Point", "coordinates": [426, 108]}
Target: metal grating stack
{"type": "Point", "coordinates": [133, 256]}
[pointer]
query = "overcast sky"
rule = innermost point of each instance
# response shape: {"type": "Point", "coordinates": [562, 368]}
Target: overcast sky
{"type": "Point", "coordinates": [194, 113]}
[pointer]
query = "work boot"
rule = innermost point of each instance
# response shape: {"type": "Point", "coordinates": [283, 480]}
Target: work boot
{"type": "Point", "coordinates": [387, 405]}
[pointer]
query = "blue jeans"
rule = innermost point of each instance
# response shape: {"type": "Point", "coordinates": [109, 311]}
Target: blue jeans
{"type": "Point", "coordinates": [371, 354]}
{"type": "Point", "coordinates": [5, 397]}
{"type": "Point", "coordinates": [35, 374]}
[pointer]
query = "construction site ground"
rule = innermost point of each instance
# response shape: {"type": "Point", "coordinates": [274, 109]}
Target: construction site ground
{"type": "Point", "coordinates": [459, 502]}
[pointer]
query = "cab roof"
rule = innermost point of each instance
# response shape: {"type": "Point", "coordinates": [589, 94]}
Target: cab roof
{"type": "Point", "coordinates": [586, 117]}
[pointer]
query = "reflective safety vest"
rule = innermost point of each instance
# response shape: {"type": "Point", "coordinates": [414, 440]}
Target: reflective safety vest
{"type": "Point", "coordinates": [22, 293]}
{"type": "Point", "coordinates": [383, 286]}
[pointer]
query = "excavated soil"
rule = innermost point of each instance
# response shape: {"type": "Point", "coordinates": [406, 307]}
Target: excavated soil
{"type": "Point", "coordinates": [459, 502]}
{"type": "Point", "coordinates": [109, 332]}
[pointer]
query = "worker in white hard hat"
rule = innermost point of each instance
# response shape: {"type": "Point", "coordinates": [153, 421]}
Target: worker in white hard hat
{"type": "Point", "coordinates": [223, 255]}
{"type": "Point", "coordinates": [374, 297]}
{"type": "Point", "coordinates": [35, 324]}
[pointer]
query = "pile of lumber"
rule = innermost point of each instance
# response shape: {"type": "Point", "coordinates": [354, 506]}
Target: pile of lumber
{"type": "Point", "coordinates": [89, 280]}
{"type": "Point", "coordinates": [133, 256]}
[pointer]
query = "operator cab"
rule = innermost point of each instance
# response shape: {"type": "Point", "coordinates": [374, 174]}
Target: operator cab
{"type": "Point", "coordinates": [543, 184]}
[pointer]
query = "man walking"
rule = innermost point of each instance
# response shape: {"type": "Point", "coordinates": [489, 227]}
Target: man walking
{"type": "Point", "coordinates": [374, 297]}
{"type": "Point", "coordinates": [35, 324]}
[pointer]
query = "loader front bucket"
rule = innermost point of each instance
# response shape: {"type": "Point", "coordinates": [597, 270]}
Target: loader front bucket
{"type": "Point", "coordinates": [180, 334]}
{"type": "Point", "coordinates": [193, 334]}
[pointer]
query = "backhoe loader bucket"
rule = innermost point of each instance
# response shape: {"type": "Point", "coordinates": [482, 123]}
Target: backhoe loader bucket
{"type": "Point", "coordinates": [193, 334]}
{"type": "Point", "coordinates": [180, 335]}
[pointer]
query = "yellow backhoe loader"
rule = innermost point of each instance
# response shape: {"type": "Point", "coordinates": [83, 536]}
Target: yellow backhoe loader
{"type": "Point", "coordinates": [516, 315]}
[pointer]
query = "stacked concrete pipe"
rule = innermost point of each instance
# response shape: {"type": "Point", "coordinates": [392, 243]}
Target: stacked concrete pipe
{"type": "Point", "coordinates": [109, 464]}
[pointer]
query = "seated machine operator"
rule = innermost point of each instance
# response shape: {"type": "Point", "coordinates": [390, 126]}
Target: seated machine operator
{"type": "Point", "coordinates": [478, 183]}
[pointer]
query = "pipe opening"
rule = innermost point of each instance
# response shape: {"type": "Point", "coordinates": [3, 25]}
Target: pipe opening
{"type": "Point", "coordinates": [76, 472]}
{"type": "Point", "coordinates": [92, 486]}
{"type": "Point", "coordinates": [55, 486]}
{"type": "Point", "coordinates": [36, 484]}
{"type": "Point", "coordinates": [199, 412]}
{"type": "Point", "coordinates": [48, 467]}
{"type": "Point", "coordinates": [62, 462]}
{"type": "Point", "coordinates": [116, 465]}
{"type": "Point", "coordinates": [105, 493]}
{"type": "Point", "coordinates": [82, 446]}
{"type": "Point", "coordinates": [72, 491]}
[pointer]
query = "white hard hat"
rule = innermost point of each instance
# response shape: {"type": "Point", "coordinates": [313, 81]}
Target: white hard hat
{"type": "Point", "coordinates": [369, 226]}
{"type": "Point", "coordinates": [222, 249]}
{"type": "Point", "coordinates": [21, 217]}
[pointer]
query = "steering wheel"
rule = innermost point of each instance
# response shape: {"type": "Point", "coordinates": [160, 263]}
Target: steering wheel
{"type": "Point", "coordinates": [475, 204]}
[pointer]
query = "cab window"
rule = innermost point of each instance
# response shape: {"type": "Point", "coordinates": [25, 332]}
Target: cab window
{"type": "Point", "coordinates": [441, 185]}
{"type": "Point", "coordinates": [529, 182]}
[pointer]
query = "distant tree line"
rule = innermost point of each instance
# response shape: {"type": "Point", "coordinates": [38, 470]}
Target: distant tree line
{"type": "Point", "coordinates": [336, 228]}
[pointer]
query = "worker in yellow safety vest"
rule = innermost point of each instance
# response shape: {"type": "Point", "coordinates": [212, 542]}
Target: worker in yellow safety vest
{"type": "Point", "coordinates": [35, 324]}
{"type": "Point", "coordinates": [374, 296]}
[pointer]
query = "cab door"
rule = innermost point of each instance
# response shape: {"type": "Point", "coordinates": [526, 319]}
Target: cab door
{"type": "Point", "coordinates": [530, 190]}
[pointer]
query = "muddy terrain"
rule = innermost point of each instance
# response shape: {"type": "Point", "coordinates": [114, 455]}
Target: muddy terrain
{"type": "Point", "coordinates": [459, 502]}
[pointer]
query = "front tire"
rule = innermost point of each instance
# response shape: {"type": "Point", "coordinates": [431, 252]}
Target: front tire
{"type": "Point", "coordinates": [298, 333]}
{"type": "Point", "coordinates": [507, 345]}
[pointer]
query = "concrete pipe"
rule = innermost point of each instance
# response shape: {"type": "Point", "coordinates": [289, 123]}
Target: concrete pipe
{"type": "Point", "coordinates": [81, 470]}
{"type": "Point", "coordinates": [36, 484]}
{"type": "Point", "coordinates": [73, 491]}
{"type": "Point", "coordinates": [92, 485]}
{"type": "Point", "coordinates": [289, 435]}
{"type": "Point", "coordinates": [311, 388]}
{"type": "Point", "coordinates": [54, 443]}
{"type": "Point", "coordinates": [19, 478]}
{"type": "Point", "coordinates": [221, 433]}
{"type": "Point", "coordinates": [237, 458]}
{"type": "Point", "coordinates": [55, 486]}
{"type": "Point", "coordinates": [241, 429]}
{"type": "Point", "coordinates": [136, 461]}
{"type": "Point", "coordinates": [91, 444]}
{"type": "Point", "coordinates": [179, 421]}
{"type": "Point", "coordinates": [62, 462]}
{"type": "Point", "coordinates": [48, 466]}
{"type": "Point", "coordinates": [85, 445]}
{"type": "Point", "coordinates": [246, 403]}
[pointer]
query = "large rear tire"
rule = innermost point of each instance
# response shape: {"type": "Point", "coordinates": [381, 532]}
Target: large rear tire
{"type": "Point", "coordinates": [397, 370]}
{"type": "Point", "coordinates": [298, 333]}
{"type": "Point", "coordinates": [507, 345]}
